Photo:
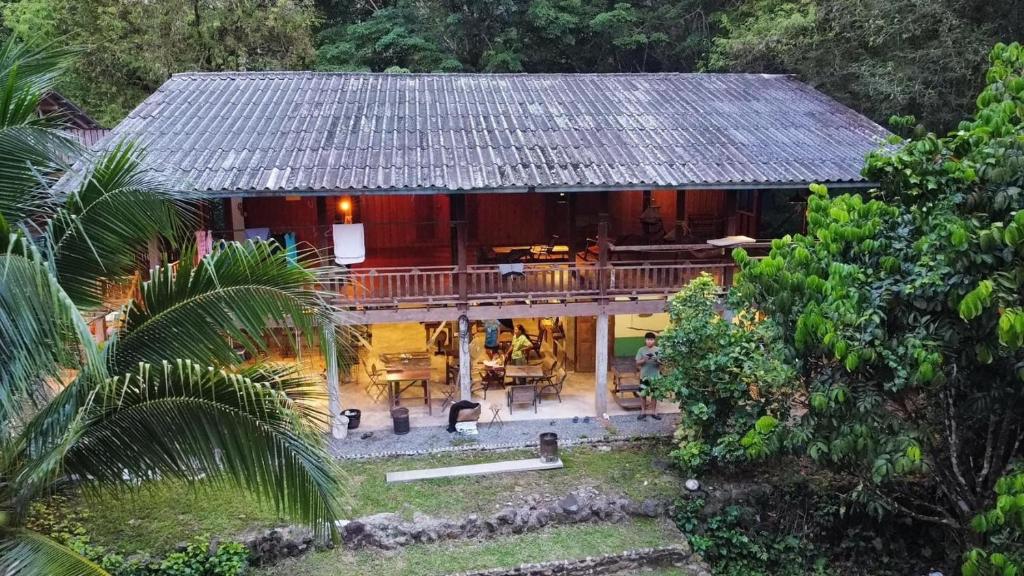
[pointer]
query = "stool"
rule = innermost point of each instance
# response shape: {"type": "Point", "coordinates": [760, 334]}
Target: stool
{"type": "Point", "coordinates": [495, 417]}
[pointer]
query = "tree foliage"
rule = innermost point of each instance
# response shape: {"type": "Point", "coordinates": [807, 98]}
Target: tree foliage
{"type": "Point", "coordinates": [732, 384]}
{"type": "Point", "coordinates": [880, 57]}
{"type": "Point", "coordinates": [131, 48]}
{"type": "Point", "coordinates": [900, 307]}
{"type": "Point", "coordinates": [167, 395]}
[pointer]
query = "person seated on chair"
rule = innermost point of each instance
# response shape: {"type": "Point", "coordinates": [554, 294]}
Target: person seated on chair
{"type": "Point", "coordinates": [648, 362]}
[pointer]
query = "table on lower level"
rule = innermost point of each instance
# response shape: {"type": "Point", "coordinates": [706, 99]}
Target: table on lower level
{"type": "Point", "coordinates": [525, 371]}
{"type": "Point", "coordinates": [401, 380]}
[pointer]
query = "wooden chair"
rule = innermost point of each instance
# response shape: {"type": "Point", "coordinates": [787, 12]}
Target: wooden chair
{"type": "Point", "coordinates": [521, 394]}
{"type": "Point", "coordinates": [553, 385]}
{"type": "Point", "coordinates": [376, 386]}
{"type": "Point", "coordinates": [626, 390]}
{"type": "Point", "coordinates": [490, 379]}
{"type": "Point", "coordinates": [451, 384]}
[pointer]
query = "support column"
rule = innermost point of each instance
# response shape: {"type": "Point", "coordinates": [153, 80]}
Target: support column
{"type": "Point", "coordinates": [601, 366]}
{"type": "Point", "coordinates": [237, 219]}
{"type": "Point", "coordinates": [153, 252]}
{"type": "Point", "coordinates": [465, 364]}
{"type": "Point", "coordinates": [330, 353]}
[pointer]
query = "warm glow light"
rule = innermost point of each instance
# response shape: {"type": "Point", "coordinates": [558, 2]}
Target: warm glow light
{"type": "Point", "coordinates": [345, 205]}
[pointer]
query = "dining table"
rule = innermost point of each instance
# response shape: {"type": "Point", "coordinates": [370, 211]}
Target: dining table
{"type": "Point", "coordinates": [527, 371]}
{"type": "Point", "coordinates": [405, 360]}
{"type": "Point", "coordinates": [399, 381]}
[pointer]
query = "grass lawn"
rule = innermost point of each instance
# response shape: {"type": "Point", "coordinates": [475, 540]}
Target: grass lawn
{"type": "Point", "coordinates": [166, 513]}
{"type": "Point", "coordinates": [557, 543]}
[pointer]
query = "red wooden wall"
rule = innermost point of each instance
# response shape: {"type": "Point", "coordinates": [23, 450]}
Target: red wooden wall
{"type": "Point", "coordinates": [284, 215]}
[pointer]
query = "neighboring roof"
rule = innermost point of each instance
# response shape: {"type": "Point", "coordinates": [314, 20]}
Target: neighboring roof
{"type": "Point", "coordinates": [54, 104]}
{"type": "Point", "coordinates": [290, 132]}
{"type": "Point", "coordinates": [88, 137]}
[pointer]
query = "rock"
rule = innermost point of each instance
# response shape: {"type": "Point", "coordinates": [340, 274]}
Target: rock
{"type": "Point", "coordinates": [692, 485]}
{"type": "Point", "coordinates": [650, 508]}
{"type": "Point", "coordinates": [569, 504]}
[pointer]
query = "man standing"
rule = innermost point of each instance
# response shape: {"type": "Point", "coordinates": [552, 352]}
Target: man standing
{"type": "Point", "coordinates": [648, 363]}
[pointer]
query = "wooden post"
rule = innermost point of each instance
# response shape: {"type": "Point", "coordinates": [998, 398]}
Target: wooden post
{"type": "Point", "coordinates": [601, 366]}
{"type": "Point", "coordinates": [730, 212]}
{"type": "Point", "coordinates": [601, 344]}
{"type": "Point", "coordinates": [465, 362]}
{"type": "Point", "coordinates": [333, 390]}
{"type": "Point", "coordinates": [237, 219]}
{"type": "Point", "coordinates": [602, 255]}
{"type": "Point", "coordinates": [460, 233]}
{"type": "Point", "coordinates": [680, 213]}
{"type": "Point", "coordinates": [153, 252]}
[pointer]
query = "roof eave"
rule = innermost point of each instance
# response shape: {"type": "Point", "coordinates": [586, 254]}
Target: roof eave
{"type": "Point", "coordinates": [844, 184]}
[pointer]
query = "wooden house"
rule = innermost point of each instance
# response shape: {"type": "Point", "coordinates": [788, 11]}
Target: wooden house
{"type": "Point", "coordinates": [485, 196]}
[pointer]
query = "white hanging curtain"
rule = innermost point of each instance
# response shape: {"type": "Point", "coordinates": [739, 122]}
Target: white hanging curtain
{"type": "Point", "coordinates": [349, 244]}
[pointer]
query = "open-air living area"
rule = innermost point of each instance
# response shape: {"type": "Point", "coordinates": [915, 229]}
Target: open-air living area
{"type": "Point", "coordinates": [563, 384]}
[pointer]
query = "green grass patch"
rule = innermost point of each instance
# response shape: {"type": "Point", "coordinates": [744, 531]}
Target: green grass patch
{"type": "Point", "coordinates": [167, 513]}
{"type": "Point", "coordinates": [559, 543]}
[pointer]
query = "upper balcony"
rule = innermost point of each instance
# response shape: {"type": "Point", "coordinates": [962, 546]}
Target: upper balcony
{"type": "Point", "coordinates": [433, 256]}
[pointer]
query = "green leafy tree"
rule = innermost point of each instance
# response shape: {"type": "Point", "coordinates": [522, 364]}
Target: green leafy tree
{"type": "Point", "coordinates": [878, 56]}
{"type": "Point", "coordinates": [131, 48]}
{"type": "Point", "coordinates": [166, 396]}
{"type": "Point", "coordinates": [899, 306]}
{"type": "Point", "coordinates": [1003, 528]}
{"type": "Point", "coordinates": [731, 381]}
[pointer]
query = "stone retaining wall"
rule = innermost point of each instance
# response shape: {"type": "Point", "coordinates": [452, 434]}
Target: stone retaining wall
{"type": "Point", "coordinates": [389, 531]}
{"type": "Point", "coordinates": [631, 562]}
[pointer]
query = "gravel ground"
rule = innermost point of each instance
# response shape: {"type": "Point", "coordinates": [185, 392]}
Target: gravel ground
{"type": "Point", "coordinates": [518, 434]}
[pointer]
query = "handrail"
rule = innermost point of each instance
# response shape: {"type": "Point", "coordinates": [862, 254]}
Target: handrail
{"type": "Point", "coordinates": [489, 283]}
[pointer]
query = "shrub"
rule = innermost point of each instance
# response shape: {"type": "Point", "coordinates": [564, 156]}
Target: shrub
{"type": "Point", "coordinates": [731, 383]}
{"type": "Point", "coordinates": [201, 557]}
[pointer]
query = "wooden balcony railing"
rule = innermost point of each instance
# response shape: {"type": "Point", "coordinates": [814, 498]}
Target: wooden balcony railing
{"type": "Point", "coordinates": [565, 282]}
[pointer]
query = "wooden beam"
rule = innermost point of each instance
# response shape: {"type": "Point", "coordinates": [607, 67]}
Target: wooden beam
{"type": "Point", "coordinates": [652, 305]}
{"type": "Point", "coordinates": [503, 467]}
{"type": "Point", "coordinates": [601, 366]}
{"type": "Point", "coordinates": [465, 366]}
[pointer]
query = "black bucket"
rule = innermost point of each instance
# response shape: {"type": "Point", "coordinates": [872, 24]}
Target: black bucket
{"type": "Point", "coordinates": [353, 417]}
{"type": "Point", "coordinates": [548, 447]}
{"type": "Point", "coordinates": [400, 417]}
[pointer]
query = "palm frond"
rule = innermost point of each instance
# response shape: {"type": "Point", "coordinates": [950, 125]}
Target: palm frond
{"type": "Point", "coordinates": [27, 553]}
{"type": "Point", "coordinates": [31, 152]}
{"type": "Point", "coordinates": [229, 299]}
{"type": "Point", "coordinates": [31, 157]}
{"type": "Point", "coordinates": [41, 331]}
{"type": "Point", "coordinates": [184, 421]}
{"type": "Point", "coordinates": [103, 226]}
{"type": "Point", "coordinates": [35, 68]}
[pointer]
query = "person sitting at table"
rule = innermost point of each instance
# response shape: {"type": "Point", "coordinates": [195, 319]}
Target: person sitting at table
{"type": "Point", "coordinates": [478, 352]}
{"type": "Point", "coordinates": [521, 344]}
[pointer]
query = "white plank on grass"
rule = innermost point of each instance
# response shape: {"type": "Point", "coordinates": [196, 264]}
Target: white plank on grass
{"type": "Point", "coordinates": [528, 465]}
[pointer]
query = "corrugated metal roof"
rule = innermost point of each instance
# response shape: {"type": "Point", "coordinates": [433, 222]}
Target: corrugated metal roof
{"type": "Point", "coordinates": [287, 132]}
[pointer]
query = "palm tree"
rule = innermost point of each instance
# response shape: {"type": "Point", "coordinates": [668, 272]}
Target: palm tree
{"type": "Point", "coordinates": [167, 395]}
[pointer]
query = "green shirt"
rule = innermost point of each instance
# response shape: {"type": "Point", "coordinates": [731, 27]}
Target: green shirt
{"type": "Point", "coordinates": [651, 368]}
{"type": "Point", "coordinates": [519, 347]}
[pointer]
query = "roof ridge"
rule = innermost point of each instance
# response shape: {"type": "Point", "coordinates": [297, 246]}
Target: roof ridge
{"type": "Point", "coordinates": [259, 73]}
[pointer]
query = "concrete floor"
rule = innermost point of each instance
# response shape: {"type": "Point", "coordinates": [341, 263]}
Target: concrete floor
{"type": "Point", "coordinates": [577, 394]}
